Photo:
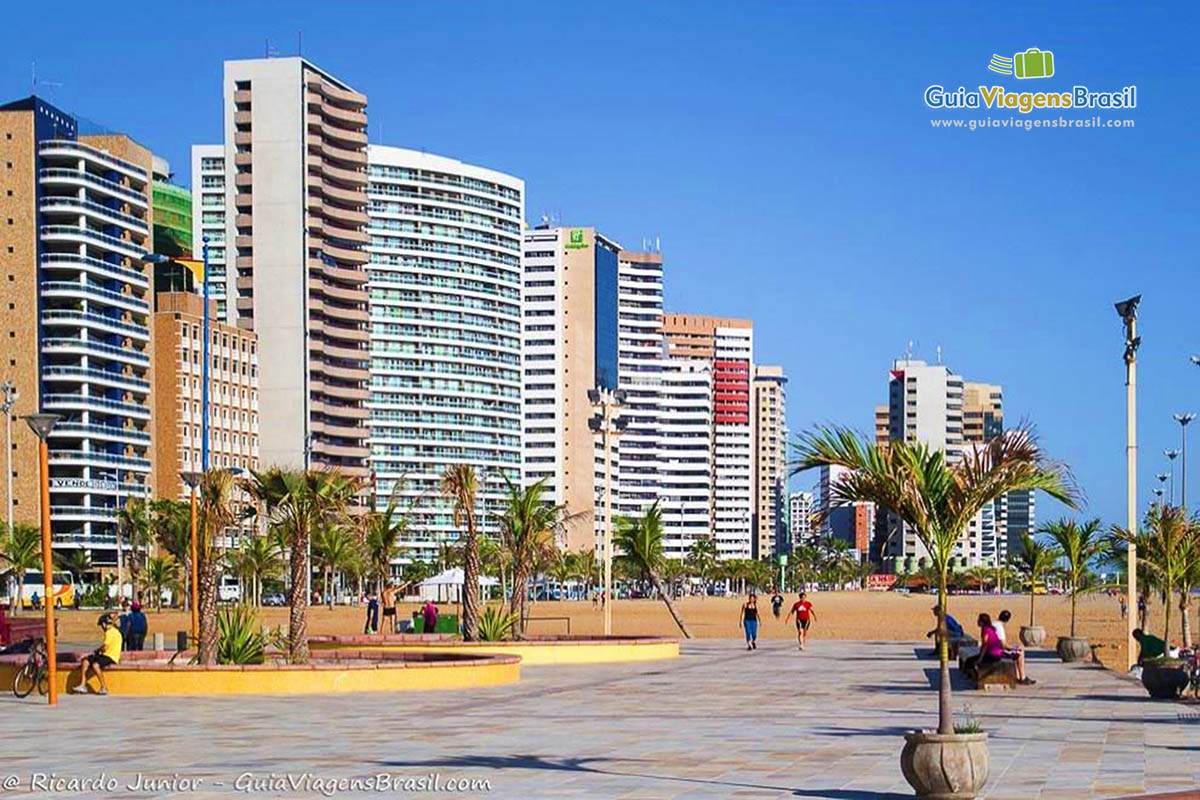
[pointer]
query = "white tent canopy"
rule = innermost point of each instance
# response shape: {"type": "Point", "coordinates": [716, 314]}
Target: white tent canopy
{"type": "Point", "coordinates": [447, 586]}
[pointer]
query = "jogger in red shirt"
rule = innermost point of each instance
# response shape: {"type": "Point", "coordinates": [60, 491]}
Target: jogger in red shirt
{"type": "Point", "coordinates": [805, 615]}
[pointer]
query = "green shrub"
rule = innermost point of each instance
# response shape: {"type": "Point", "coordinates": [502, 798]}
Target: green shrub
{"type": "Point", "coordinates": [238, 641]}
{"type": "Point", "coordinates": [496, 625]}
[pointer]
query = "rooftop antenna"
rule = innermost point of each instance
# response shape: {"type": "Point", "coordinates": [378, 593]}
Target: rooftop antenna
{"type": "Point", "coordinates": [908, 353]}
{"type": "Point", "coordinates": [939, 354]}
{"type": "Point", "coordinates": [657, 245]}
{"type": "Point", "coordinates": [35, 82]}
{"type": "Point", "coordinates": [300, 43]}
{"type": "Point", "coordinates": [271, 51]}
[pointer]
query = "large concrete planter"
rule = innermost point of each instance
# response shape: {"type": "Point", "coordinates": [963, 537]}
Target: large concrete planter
{"type": "Point", "coordinates": [1072, 648]}
{"type": "Point", "coordinates": [1164, 681]}
{"type": "Point", "coordinates": [1033, 635]}
{"type": "Point", "coordinates": [945, 766]}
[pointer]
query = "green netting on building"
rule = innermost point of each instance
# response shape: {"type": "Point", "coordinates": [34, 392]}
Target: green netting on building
{"type": "Point", "coordinates": [172, 206]}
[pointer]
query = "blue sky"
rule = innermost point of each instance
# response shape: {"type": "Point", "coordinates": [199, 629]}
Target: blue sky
{"type": "Point", "coordinates": [784, 156]}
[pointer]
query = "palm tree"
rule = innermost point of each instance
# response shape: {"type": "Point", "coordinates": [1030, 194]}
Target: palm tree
{"type": "Point", "coordinates": [76, 561]}
{"type": "Point", "coordinates": [214, 514]}
{"type": "Point", "coordinates": [1035, 560]}
{"type": "Point", "coordinates": [702, 560]}
{"type": "Point", "coordinates": [460, 487]}
{"type": "Point", "coordinates": [335, 550]}
{"type": "Point", "coordinates": [935, 498]}
{"type": "Point", "coordinates": [562, 569]}
{"type": "Point", "coordinates": [135, 521]}
{"type": "Point", "coordinates": [589, 568]}
{"type": "Point", "coordinates": [1168, 548]}
{"type": "Point", "coordinates": [384, 530]}
{"type": "Point", "coordinates": [295, 502]}
{"type": "Point", "coordinates": [1079, 545]}
{"type": "Point", "coordinates": [529, 528]}
{"type": "Point", "coordinates": [171, 524]}
{"type": "Point", "coordinates": [640, 543]}
{"type": "Point", "coordinates": [257, 558]}
{"type": "Point", "coordinates": [21, 550]}
{"type": "Point", "coordinates": [161, 573]}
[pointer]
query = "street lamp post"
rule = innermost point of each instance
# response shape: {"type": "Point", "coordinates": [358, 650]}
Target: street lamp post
{"type": "Point", "coordinates": [606, 404]}
{"type": "Point", "coordinates": [204, 369]}
{"type": "Point", "coordinates": [41, 425]}
{"type": "Point", "coordinates": [1127, 310]}
{"type": "Point", "coordinates": [7, 405]}
{"type": "Point", "coordinates": [192, 479]}
{"type": "Point", "coordinates": [1183, 420]}
{"type": "Point", "coordinates": [1171, 456]}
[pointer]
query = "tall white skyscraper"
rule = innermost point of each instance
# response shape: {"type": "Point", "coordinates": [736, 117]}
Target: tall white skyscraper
{"type": "Point", "coordinates": [444, 280]}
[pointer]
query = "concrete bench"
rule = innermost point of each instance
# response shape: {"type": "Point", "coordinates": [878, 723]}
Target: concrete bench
{"type": "Point", "coordinates": [956, 643]}
{"type": "Point", "coordinates": [1002, 674]}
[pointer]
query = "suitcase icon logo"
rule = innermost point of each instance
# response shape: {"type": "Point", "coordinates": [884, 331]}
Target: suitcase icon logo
{"type": "Point", "coordinates": [1033, 63]}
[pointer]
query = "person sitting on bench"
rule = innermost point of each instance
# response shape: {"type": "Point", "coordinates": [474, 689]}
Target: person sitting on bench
{"type": "Point", "coordinates": [953, 629]}
{"type": "Point", "coordinates": [991, 651]}
{"type": "Point", "coordinates": [1149, 646]}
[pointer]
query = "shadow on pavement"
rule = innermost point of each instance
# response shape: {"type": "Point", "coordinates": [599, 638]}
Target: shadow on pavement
{"type": "Point", "coordinates": [850, 794]}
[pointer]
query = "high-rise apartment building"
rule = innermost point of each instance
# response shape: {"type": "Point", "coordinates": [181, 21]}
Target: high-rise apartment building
{"type": "Point", "coordinates": [770, 459]}
{"type": "Point", "coordinates": [75, 223]}
{"type": "Point", "coordinates": [209, 204]}
{"type": "Point", "coordinates": [570, 346]}
{"type": "Point", "coordinates": [800, 516]}
{"type": "Point", "coordinates": [882, 424]}
{"type": "Point", "coordinates": [445, 303]}
{"type": "Point", "coordinates": [685, 453]}
{"type": "Point", "coordinates": [294, 179]}
{"type": "Point", "coordinates": [728, 344]}
{"type": "Point", "coordinates": [178, 392]}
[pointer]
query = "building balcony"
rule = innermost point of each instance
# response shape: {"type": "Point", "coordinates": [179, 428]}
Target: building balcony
{"type": "Point", "coordinates": [82, 402]}
{"type": "Point", "coordinates": [53, 374]}
{"type": "Point", "coordinates": [76, 263]}
{"type": "Point", "coordinates": [74, 206]}
{"type": "Point", "coordinates": [83, 514]}
{"type": "Point", "coordinates": [70, 148]}
{"type": "Point", "coordinates": [86, 291]}
{"type": "Point", "coordinates": [84, 319]}
{"type": "Point", "coordinates": [74, 234]}
{"type": "Point", "coordinates": [89, 458]}
{"type": "Point", "coordinates": [59, 176]}
{"type": "Point", "coordinates": [86, 348]}
{"type": "Point", "coordinates": [79, 430]}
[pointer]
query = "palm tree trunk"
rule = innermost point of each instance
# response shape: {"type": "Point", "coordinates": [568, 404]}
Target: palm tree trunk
{"type": "Point", "coordinates": [666, 598]}
{"type": "Point", "coordinates": [1031, 594]}
{"type": "Point", "coordinates": [207, 587]}
{"type": "Point", "coordinates": [1185, 602]}
{"type": "Point", "coordinates": [328, 587]}
{"type": "Point", "coordinates": [516, 604]}
{"type": "Point", "coordinates": [298, 600]}
{"type": "Point", "coordinates": [15, 608]}
{"type": "Point", "coordinates": [1168, 597]}
{"type": "Point", "coordinates": [470, 604]}
{"type": "Point", "coordinates": [1073, 594]}
{"type": "Point", "coordinates": [945, 716]}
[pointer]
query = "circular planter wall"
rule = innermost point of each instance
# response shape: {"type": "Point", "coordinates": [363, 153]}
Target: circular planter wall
{"type": "Point", "coordinates": [1033, 635]}
{"type": "Point", "coordinates": [533, 651]}
{"type": "Point", "coordinates": [1072, 648]}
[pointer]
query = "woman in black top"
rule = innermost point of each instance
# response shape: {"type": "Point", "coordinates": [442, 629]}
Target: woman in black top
{"type": "Point", "coordinates": [750, 621]}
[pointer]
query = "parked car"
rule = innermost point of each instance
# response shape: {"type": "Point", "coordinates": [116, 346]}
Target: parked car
{"type": "Point", "coordinates": [274, 599]}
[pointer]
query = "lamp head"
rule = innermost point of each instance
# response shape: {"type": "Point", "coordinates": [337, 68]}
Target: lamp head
{"type": "Point", "coordinates": [1127, 309]}
{"type": "Point", "coordinates": [1162, 477]}
{"type": "Point", "coordinates": [1184, 418]}
{"type": "Point", "coordinates": [594, 424]}
{"type": "Point", "coordinates": [1195, 360]}
{"type": "Point", "coordinates": [619, 395]}
{"type": "Point", "coordinates": [191, 478]}
{"type": "Point", "coordinates": [593, 396]}
{"type": "Point", "coordinates": [1171, 454]}
{"type": "Point", "coordinates": [41, 424]}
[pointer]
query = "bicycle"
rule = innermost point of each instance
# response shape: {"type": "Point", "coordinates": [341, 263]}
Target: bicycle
{"type": "Point", "coordinates": [34, 672]}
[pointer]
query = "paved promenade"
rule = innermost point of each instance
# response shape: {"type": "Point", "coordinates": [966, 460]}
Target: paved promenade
{"type": "Point", "coordinates": [717, 722]}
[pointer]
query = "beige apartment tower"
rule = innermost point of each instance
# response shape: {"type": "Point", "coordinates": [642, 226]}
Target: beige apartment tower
{"type": "Point", "coordinates": [770, 459]}
{"type": "Point", "coordinates": [295, 176]}
{"type": "Point", "coordinates": [233, 391]}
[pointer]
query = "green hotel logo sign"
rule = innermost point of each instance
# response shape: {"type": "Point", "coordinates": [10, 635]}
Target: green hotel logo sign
{"type": "Point", "coordinates": [575, 239]}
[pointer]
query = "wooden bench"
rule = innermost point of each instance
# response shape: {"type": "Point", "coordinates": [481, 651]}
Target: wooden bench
{"type": "Point", "coordinates": [1002, 674]}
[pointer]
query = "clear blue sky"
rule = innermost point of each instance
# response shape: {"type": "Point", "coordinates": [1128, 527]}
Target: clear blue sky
{"type": "Point", "coordinates": [784, 155]}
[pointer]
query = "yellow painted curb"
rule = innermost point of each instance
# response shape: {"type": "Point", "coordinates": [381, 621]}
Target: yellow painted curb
{"type": "Point", "coordinates": [365, 673]}
{"type": "Point", "coordinates": [532, 652]}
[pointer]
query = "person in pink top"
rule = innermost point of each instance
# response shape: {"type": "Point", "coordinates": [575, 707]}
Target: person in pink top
{"type": "Point", "coordinates": [991, 650]}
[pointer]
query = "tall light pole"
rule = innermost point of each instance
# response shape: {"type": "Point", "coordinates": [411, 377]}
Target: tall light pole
{"type": "Point", "coordinates": [1183, 420]}
{"type": "Point", "coordinates": [204, 369]}
{"type": "Point", "coordinates": [606, 404]}
{"type": "Point", "coordinates": [41, 425]}
{"type": "Point", "coordinates": [1171, 456]}
{"type": "Point", "coordinates": [192, 479]}
{"type": "Point", "coordinates": [7, 405]}
{"type": "Point", "coordinates": [1127, 310]}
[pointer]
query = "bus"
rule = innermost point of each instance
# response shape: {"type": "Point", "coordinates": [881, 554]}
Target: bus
{"type": "Point", "coordinates": [64, 589]}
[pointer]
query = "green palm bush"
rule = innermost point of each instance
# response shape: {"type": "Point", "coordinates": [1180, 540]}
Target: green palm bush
{"type": "Point", "coordinates": [1035, 560]}
{"type": "Point", "coordinates": [936, 498]}
{"type": "Point", "coordinates": [496, 624]}
{"type": "Point", "coordinates": [1080, 545]}
{"type": "Point", "coordinates": [238, 640]}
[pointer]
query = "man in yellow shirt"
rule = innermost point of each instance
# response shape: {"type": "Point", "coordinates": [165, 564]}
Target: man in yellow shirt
{"type": "Point", "coordinates": [106, 655]}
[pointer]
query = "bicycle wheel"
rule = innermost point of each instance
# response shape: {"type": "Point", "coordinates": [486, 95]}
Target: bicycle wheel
{"type": "Point", "coordinates": [43, 681]}
{"type": "Point", "coordinates": [25, 680]}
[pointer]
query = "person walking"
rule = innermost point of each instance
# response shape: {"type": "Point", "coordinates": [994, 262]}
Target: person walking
{"type": "Point", "coordinates": [136, 626]}
{"type": "Point", "coordinates": [805, 616]}
{"type": "Point", "coordinates": [750, 621]}
{"type": "Point", "coordinates": [776, 603]}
